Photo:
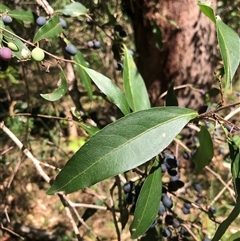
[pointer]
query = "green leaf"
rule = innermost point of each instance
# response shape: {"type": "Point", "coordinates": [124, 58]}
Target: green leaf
{"type": "Point", "coordinates": [22, 15]}
{"type": "Point", "coordinates": [235, 237]}
{"type": "Point", "coordinates": [23, 52]}
{"type": "Point", "coordinates": [114, 94]}
{"type": "Point", "coordinates": [229, 43]}
{"type": "Point", "coordinates": [171, 99]}
{"type": "Point", "coordinates": [204, 152]}
{"type": "Point", "coordinates": [3, 8]}
{"type": "Point", "coordinates": [207, 10]}
{"type": "Point", "coordinates": [84, 77]}
{"type": "Point", "coordinates": [60, 91]}
{"type": "Point", "coordinates": [134, 86]}
{"type": "Point", "coordinates": [235, 163]}
{"type": "Point", "coordinates": [122, 146]}
{"type": "Point", "coordinates": [51, 29]}
{"type": "Point", "coordinates": [74, 9]}
{"type": "Point", "coordinates": [148, 202]}
{"type": "Point", "coordinates": [226, 223]}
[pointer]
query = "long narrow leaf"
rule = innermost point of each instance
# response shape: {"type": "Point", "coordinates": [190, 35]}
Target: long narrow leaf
{"type": "Point", "coordinates": [114, 94]}
{"type": "Point", "coordinates": [84, 77]}
{"type": "Point", "coordinates": [121, 146]}
{"type": "Point", "coordinates": [134, 86]}
{"type": "Point", "coordinates": [148, 202]}
{"type": "Point", "coordinates": [229, 43]}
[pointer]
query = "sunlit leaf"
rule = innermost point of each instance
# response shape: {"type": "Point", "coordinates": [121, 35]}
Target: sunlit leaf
{"type": "Point", "coordinates": [204, 152]}
{"type": "Point", "coordinates": [22, 15]}
{"type": "Point", "coordinates": [134, 86]}
{"type": "Point", "coordinates": [84, 77]}
{"type": "Point", "coordinates": [60, 91]}
{"type": "Point", "coordinates": [114, 94]}
{"type": "Point", "coordinates": [121, 146]}
{"type": "Point", "coordinates": [207, 10]}
{"type": "Point", "coordinates": [74, 9]}
{"type": "Point", "coordinates": [51, 29]}
{"type": "Point", "coordinates": [229, 43]}
{"type": "Point", "coordinates": [148, 202]}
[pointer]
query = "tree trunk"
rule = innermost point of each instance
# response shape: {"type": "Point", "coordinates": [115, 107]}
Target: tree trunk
{"type": "Point", "coordinates": [187, 52]}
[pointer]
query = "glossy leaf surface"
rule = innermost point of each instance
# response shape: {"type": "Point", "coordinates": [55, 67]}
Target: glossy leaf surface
{"type": "Point", "coordinates": [121, 146]}
{"type": "Point", "coordinates": [84, 77]}
{"type": "Point", "coordinates": [60, 91]}
{"type": "Point", "coordinates": [74, 9]}
{"type": "Point", "coordinates": [51, 29]}
{"type": "Point", "coordinates": [204, 152]}
{"type": "Point", "coordinates": [229, 43]}
{"type": "Point", "coordinates": [148, 202]}
{"type": "Point", "coordinates": [114, 94]}
{"type": "Point", "coordinates": [134, 86]}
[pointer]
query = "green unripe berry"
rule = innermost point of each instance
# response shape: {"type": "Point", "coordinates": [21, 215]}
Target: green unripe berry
{"type": "Point", "coordinates": [13, 46]}
{"type": "Point", "coordinates": [38, 54]}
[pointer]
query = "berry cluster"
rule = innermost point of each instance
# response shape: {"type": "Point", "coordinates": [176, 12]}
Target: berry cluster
{"type": "Point", "coordinates": [173, 225]}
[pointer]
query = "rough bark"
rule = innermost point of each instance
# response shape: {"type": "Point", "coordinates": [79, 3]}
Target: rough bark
{"type": "Point", "coordinates": [187, 54]}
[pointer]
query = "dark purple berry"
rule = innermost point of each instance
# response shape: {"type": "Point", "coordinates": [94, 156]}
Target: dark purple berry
{"type": "Point", "coordinates": [198, 201]}
{"type": "Point", "coordinates": [3, 65]}
{"type": "Point", "coordinates": [63, 22]}
{"type": "Point", "coordinates": [164, 167]}
{"type": "Point", "coordinates": [5, 53]}
{"type": "Point", "coordinates": [131, 198]}
{"type": "Point", "coordinates": [212, 210]}
{"type": "Point", "coordinates": [166, 232]}
{"type": "Point", "coordinates": [169, 219]}
{"type": "Point", "coordinates": [118, 28]}
{"type": "Point", "coordinates": [186, 156]}
{"type": "Point", "coordinates": [197, 187]}
{"type": "Point", "coordinates": [119, 66]}
{"type": "Point", "coordinates": [161, 209]}
{"type": "Point", "coordinates": [176, 223]}
{"type": "Point", "coordinates": [6, 19]}
{"type": "Point", "coordinates": [128, 187]}
{"type": "Point", "coordinates": [89, 21]}
{"type": "Point", "coordinates": [167, 202]}
{"type": "Point", "coordinates": [71, 49]}
{"type": "Point", "coordinates": [97, 45]}
{"type": "Point", "coordinates": [184, 231]}
{"type": "Point", "coordinates": [41, 21]}
{"type": "Point", "coordinates": [185, 210]}
{"type": "Point", "coordinates": [122, 33]}
{"type": "Point", "coordinates": [187, 205]}
{"type": "Point", "coordinates": [173, 186]}
{"type": "Point", "coordinates": [238, 94]}
{"type": "Point", "coordinates": [175, 178]}
{"type": "Point", "coordinates": [172, 172]}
